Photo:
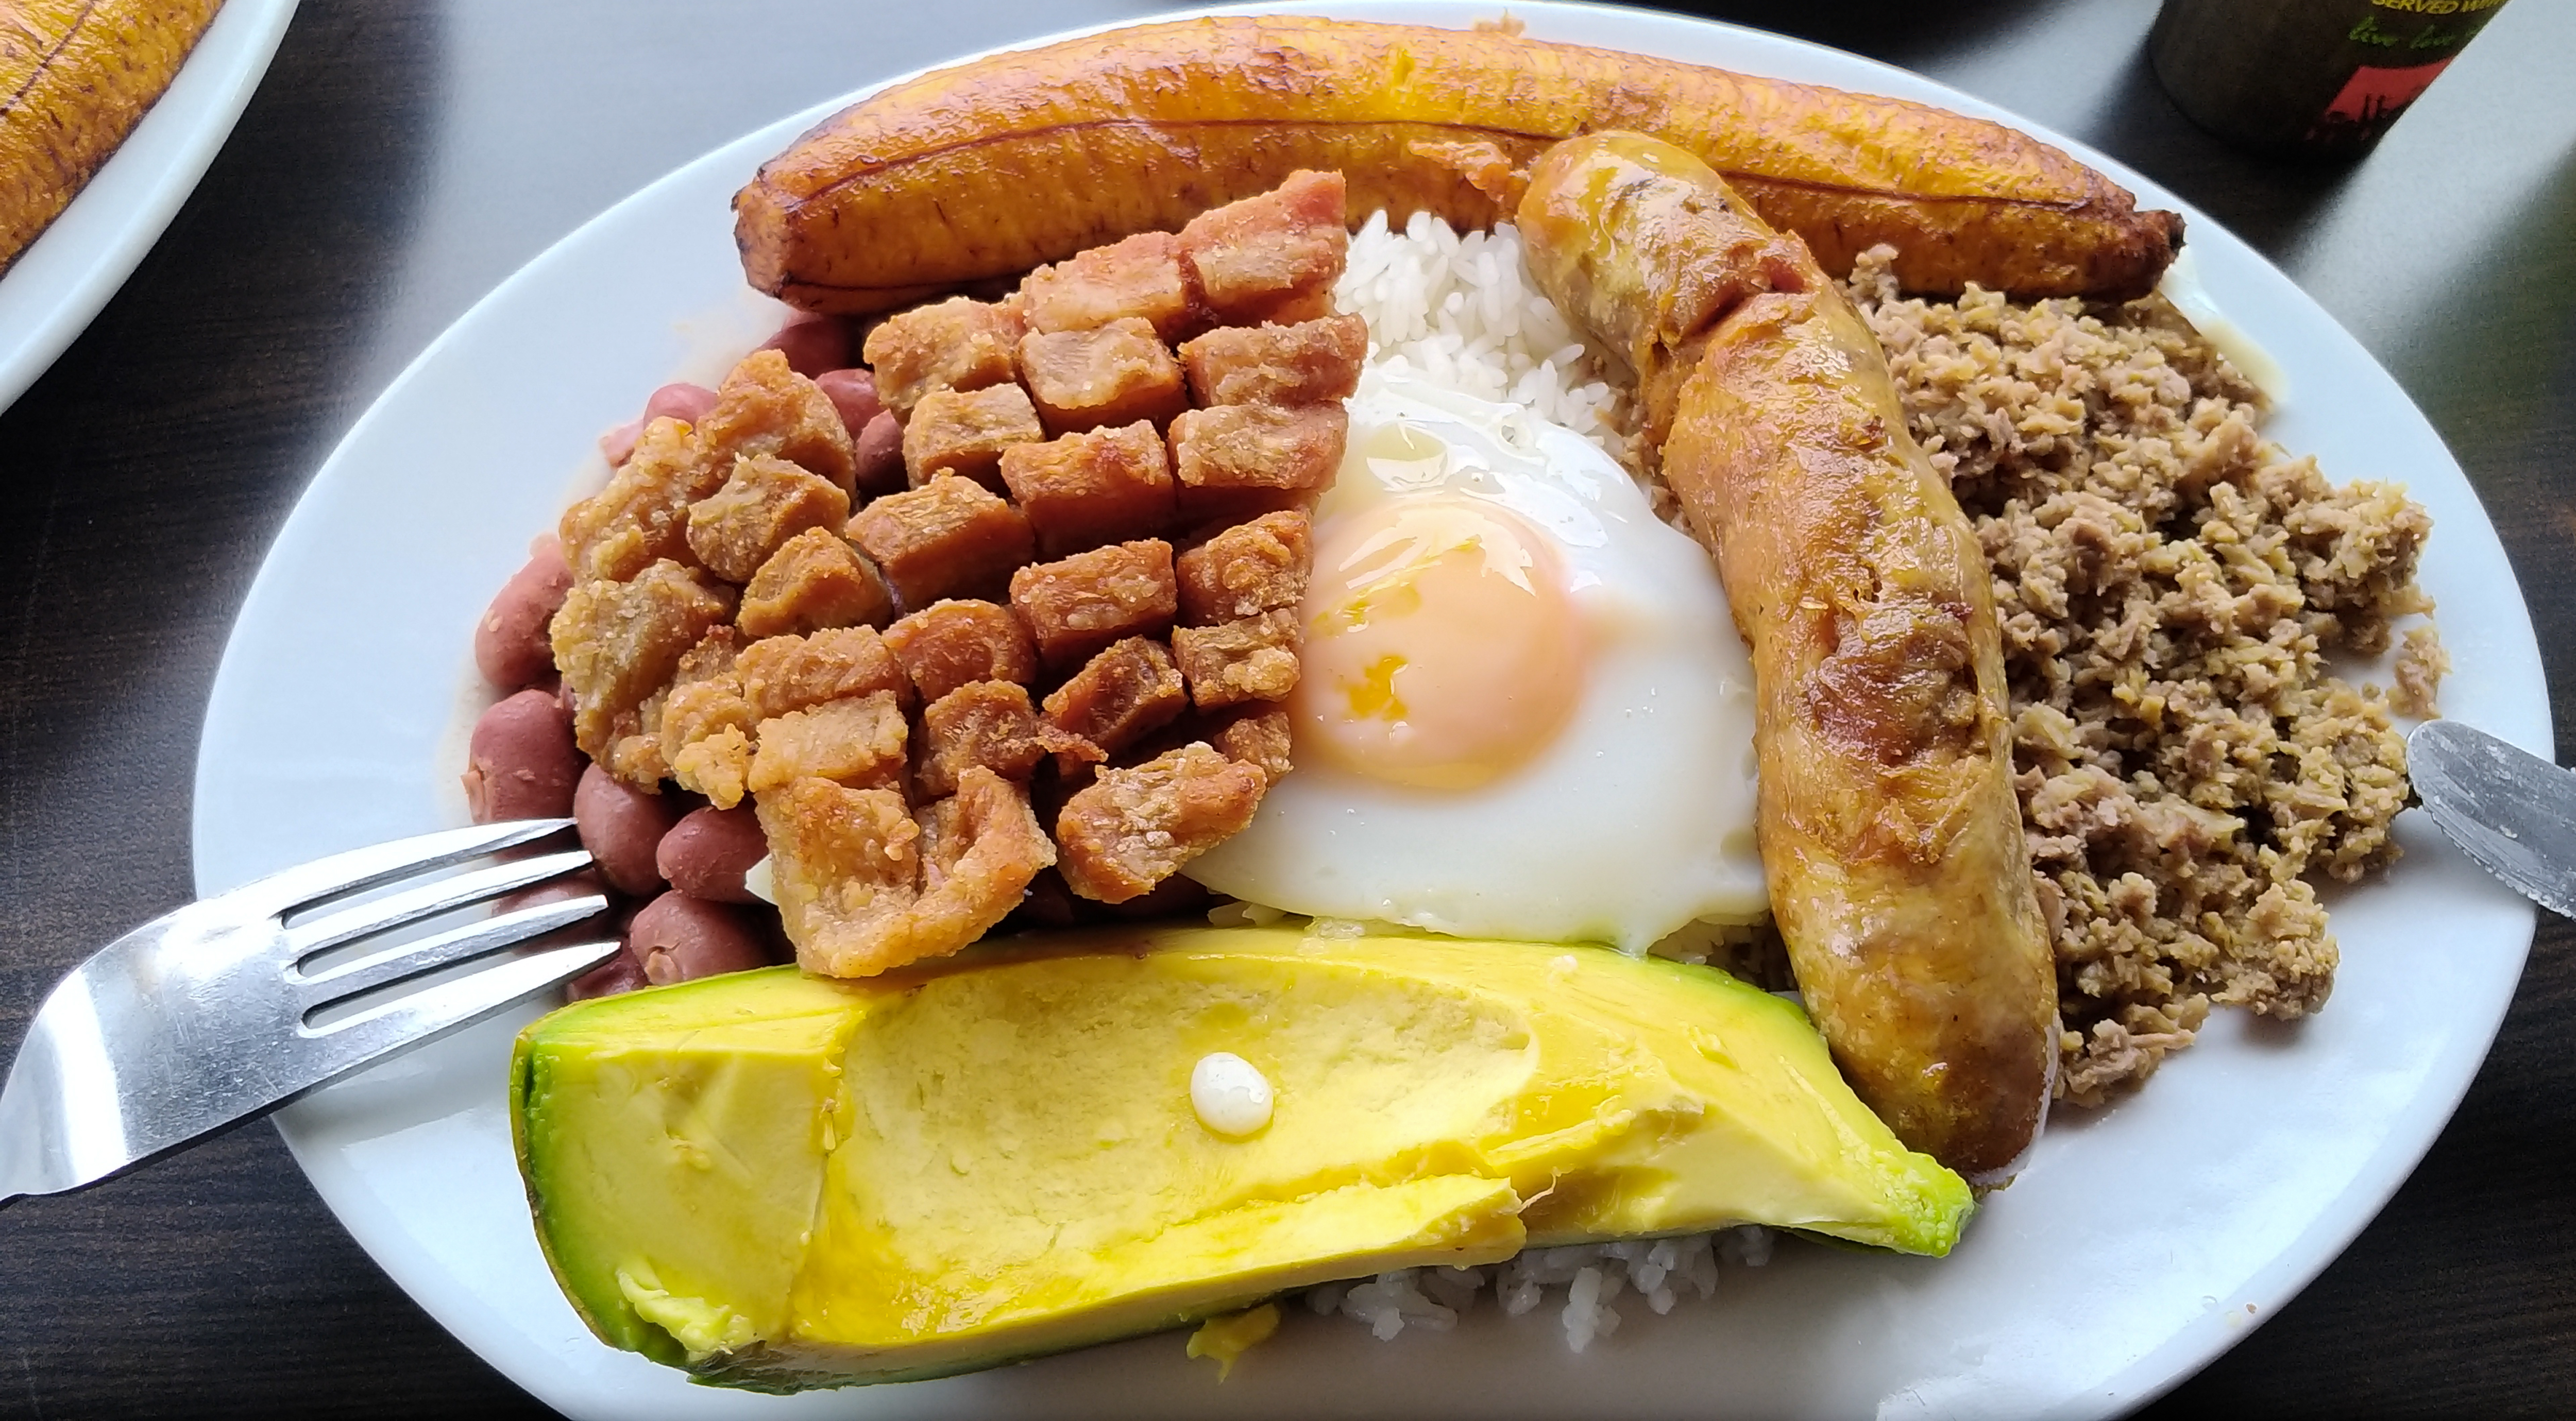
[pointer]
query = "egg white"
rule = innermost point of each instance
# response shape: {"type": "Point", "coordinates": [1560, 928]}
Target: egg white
{"type": "Point", "coordinates": [1636, 820]}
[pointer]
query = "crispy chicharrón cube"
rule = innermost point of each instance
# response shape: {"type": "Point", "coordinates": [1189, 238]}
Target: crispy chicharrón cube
{"type": "Point", "coordinates": [721, 631]}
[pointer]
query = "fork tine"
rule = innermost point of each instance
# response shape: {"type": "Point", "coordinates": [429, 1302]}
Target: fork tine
{"type": "Point", "coordinates": [428, 900]}
{"type": "Point", "coordinates": [344, 1046]}
{"type": "Point", "coordinates": [362, 869]}
{"type": "Point", "coordinates": [412, 959]}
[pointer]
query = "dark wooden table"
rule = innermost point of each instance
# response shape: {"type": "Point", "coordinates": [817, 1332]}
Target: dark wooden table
{"type": "Point", "coordinates": [402, 158]}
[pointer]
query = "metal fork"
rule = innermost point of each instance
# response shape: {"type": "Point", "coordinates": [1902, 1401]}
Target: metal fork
{"type": "Point", "coordinates": [206, 1017]}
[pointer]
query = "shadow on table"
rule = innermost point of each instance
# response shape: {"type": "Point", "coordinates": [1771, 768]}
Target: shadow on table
{"type": "Point", "coordinates": [2488, 346]}
{"type": "Point", "coordinates": [147, 471]}
{"type": "Point", "coordinates": [1906, 33]}
{"type": "Point", "coordinates": [2267, 201]}
{"type": "Point", "coordinates": [2501, 330]}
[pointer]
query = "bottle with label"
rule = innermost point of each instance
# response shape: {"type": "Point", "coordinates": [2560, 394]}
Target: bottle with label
{"type": "Point", "coordinates": [2307, 78]}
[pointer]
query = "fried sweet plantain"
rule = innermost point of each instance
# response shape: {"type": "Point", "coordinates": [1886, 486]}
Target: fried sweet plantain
{"type": "Point", "coordinates": [928, 185]}
{"type": "Point", "coordinates": [75, 77]}
{"type": "Point", "coordinates": [1890, 832]}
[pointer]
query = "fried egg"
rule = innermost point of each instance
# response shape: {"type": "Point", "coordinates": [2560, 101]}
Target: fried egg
{"type": "Point", "coordinates": [1524, 710]}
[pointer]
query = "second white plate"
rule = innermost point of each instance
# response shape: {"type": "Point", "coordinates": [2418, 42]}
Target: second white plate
{"type": "Point", "coordinates": [66, 275]}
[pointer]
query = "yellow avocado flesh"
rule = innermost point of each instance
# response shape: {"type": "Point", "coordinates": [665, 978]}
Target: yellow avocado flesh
{"type": "Point", "coordinates": [782, 1181]}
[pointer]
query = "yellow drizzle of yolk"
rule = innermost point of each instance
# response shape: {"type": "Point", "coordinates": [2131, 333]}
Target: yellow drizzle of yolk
{"type": "Point", "coordinates": [1374, 696]}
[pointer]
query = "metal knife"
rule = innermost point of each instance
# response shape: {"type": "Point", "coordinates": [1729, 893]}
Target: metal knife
{"type": "Point", "coordinates": [2512, 811]}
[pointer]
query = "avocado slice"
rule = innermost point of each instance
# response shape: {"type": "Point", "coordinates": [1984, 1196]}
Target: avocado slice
{"type": "Point", "coordinates": [782, 1182]}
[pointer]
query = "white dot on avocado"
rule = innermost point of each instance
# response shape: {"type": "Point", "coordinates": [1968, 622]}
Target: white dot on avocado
{"type": "Point", "coordinates": [1230, 1094]}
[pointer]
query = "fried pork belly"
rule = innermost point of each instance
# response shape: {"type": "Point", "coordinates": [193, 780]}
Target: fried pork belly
{"type": "Point", "coordinates": [957, 344]}
{"type": "Point", "coordinates": [619, 643]}
{"type": "Point", "coordinates": [892, 773]}
{"type": "Point", "coordinates": [992, 724]}
{"type": "Point", "coordinates": [642, 517]}
{"type": "Point", "coordinates": [948, 644]}
{"type": "Point", "coordinates": [951, 537]}
{"type": "Point", "coordinates": [1140, 276]}
{"type": "Point", "coordinates": [765, 502]}
{"type": "Point", "coordinates": [954, 432]}
{"type": "Point", "coordinates": [1256, 735]}
{"type": "Point", "coordinates": [858, 742]}
{"type": "Point", "coordinates": [1127, 692]}
{"type": "Point", "coordinates": [845, 864]}
{"type": "Point", "coordinates": [1309, 363]}
{"type": "Point", "coordinates": [706, 740]}
{"type": "Point", "coordinates": [1249, 659]}
{"type": "Point", "coordinates": [1273, 257]}
{"type": "Point", "coordinates": [703, 733]}
{"type": "Point", "coordinates": [980, 848]}
{"type": "Point", "coordinates": [862, 888]}
{"type": "Point", "coordinates": [791, 673]}
{"type": "Point", "coordinates": [1238, 461]}
{"type": "Point", "coordinates": [1075, 606]}
{"type": "Point", "coordinates": [765, 410]}
{"type": "Point", "coordinates": [815, 580]}
{"type": "Point", "coordinates": [1111, 375]}
{"type": "Point", "coordinates": [1083, 490]}
{"type": "Point", "coordinates": [1248, 569]}
{"type": "Point", "coordinates": [1133, 828]}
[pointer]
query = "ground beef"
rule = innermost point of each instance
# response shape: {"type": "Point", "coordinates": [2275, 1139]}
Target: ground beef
{"type": "Point", "coordinates": [2173, 591]}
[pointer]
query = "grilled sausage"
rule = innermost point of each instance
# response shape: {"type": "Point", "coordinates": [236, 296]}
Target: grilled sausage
{"type": "Point", "coordinates": [924, 186]}
{"type": "Point", "coordinates": [1890, 831]}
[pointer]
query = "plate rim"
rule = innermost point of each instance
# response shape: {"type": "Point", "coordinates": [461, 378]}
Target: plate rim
{"type": "Point", "coordinates": [2185, 1351]}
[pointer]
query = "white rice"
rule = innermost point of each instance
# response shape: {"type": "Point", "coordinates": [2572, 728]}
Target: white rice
{"type": "Point", "coordinates": [1462, 311]}
{"type": "Point", "coordinates": [1662, 1271]}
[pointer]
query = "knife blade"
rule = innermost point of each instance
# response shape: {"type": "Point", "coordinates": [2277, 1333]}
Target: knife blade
{"type": "Point", "coordinates": [2512, 811]}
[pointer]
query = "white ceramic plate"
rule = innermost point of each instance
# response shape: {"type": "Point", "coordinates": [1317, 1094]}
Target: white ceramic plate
{"type": "Point", "coordinates": [2140, 1243]}
{"type": "Point", "coordinates": [67, 274]}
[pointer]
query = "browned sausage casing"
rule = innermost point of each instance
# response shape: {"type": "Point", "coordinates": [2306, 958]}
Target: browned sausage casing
{"type": "Point", "coordinates": [1890, 832]}
{"type": "Point", "coordinates": [989, 168]}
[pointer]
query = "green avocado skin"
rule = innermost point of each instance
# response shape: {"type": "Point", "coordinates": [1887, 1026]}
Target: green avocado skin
{"type": "Point", "coordinates": [780, 1183]}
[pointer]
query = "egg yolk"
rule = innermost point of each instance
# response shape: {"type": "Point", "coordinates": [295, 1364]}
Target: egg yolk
{"type": "Point", "coordinates": [1441, 648]}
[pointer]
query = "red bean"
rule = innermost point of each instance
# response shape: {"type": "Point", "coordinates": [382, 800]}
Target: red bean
{"type": "Point", "coordinates": [606, 922]}
{"type": "Point", "coordinates": [510, 644]}
{"type": "Point", "coordinates": [521, 762]}
{"type": "Point", "coordinates": [618, 443]}
{"type": "Point", "coordinates": [622, 826]}
{"type": "Point", "coordinates": [812, 344]}
{"type": "Point", "coordinates": [621, 973]}
{"type": "Point", "coordinates": [881, 455]}
{"type": "Point", "coordinates": [680, 400]}
{"type": "Point", "coordinates": [584, 884]}
{"type": "Point", "coordinates": [854, 394]}
{"type": "Point", "coordinates": [706, 854]}
{"type": "Point", "coordinates": [679, 938]}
